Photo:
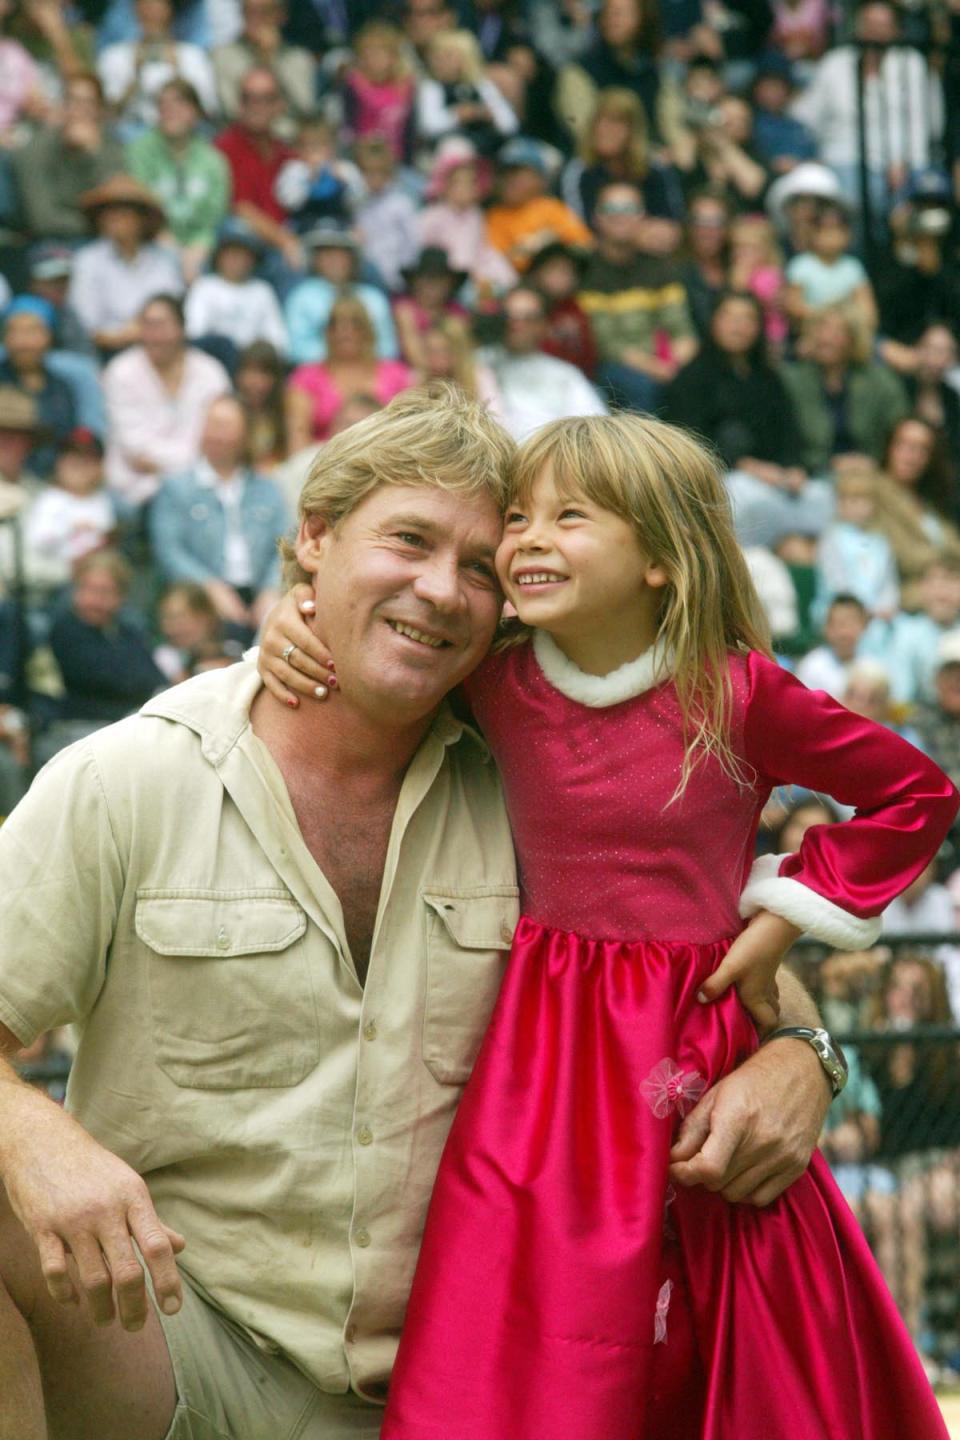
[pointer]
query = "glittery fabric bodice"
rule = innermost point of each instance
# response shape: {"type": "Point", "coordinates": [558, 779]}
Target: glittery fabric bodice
{"type": "Point", "coordinates": [601, 850]}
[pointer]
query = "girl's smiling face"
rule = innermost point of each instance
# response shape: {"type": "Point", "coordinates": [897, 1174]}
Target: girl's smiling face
{"type": "Point", "coordinates": [578, 571]}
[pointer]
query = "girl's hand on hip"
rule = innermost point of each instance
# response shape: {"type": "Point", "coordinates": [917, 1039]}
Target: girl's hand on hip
{"type": "Point", "coordinates": [292, 660]}
{"type": "Point", "coordinates": [751, 964]}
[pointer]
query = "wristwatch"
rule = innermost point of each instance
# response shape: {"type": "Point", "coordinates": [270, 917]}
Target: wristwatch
{"type": "Point", "coordinates": [826, 1049]}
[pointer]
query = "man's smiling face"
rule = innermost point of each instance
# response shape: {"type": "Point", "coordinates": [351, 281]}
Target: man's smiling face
{"type": "Point", "coordinates": [408, 593]}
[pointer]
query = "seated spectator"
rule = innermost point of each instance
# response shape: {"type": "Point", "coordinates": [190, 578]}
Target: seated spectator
{"type": "Point", "coordinates": [316, 391]}
{"type": "Point", "coordinates": [50, 266]}
{"type": "Point", "coordinates": [756, 267]}
{"type": "Point", "coordinates": [636, 305]}
{"type": "Point", "coordinates": [933, 398]}
{"type": "Point", "coordinates": [457, 98]}
{"type": "Point", "coordinates": [188, 622]}
{"type": "Point", "coordinates": [868, 693]}
{"type": "Point", "coordinates": [454, 220]}
{"type": "Point", "coordinates": [793, 202]}
{"type": "Point", "coordinates": [828, 274]}
{"type": "Point", "coordinates": [218, 524]}
{"type": "Point", "coordinates": [907, 644]}
{"type": "Point", "coordinates": [261, 46]}
{"type": "Point", "coordinates": [230, 304]}
{"type": "Point", "coordinates": [430, 297]}
{"type": "Point", "coordinates": [133, 72]}
{"type": "Point", "coordinates": [705, 266]}
{"type": "Point", "coordinates": [534, 388]}
{"type": "Point", "coordinates": [259, 381]}
{"type": "Point", "coordinates": [916, 502]}
{"type": "Point", "coordinates": [926, 908]}
{"type": "Point", "coordinates": [157, 394]}
{"type": "Point", "coordinates": [557, 272]}
{"type": "Point", "coordinates": [730, 394]}
{"type": "Point", "coordinates": [256, 156]}
{"type": "Point", "coordinates": [801, 28]}
{"type": "Point", "coordinates": [828, 666]}
{"type": "Point", "coordinates": [845, 403]}
{"type": "Point", "coordinates": [724, 157]}
{"type": "Point", "coordinates": [625, 53]}
{"type": "Point", "coordinates": [384, 214]}
{"type": "Point", "coordinates": [853, 557]}
{"type": "Point", "coordinates": [448, 354]}
{"type": "Point", "coordinates": [28, 338]}
{"type": "Point", "coordinates": [379, 91]}
{"type": "Point", "coordinates": [114, 276]}
{"type": "Point", "coordinates": [334, 259]}
{"type": "Point", "coordinates": [74, 515]}
{"type": "Point", "coordinates": [781, 141]}
{"type": "Point", "coordinates": [187, 174]}
{"type": "Point", "coordinates": [918, 283]}
{"type": "Point", "coordinates": [615, 147]}
{"type": "Point", "coordinates": [316, 185]}
{"type": "Point", "coordinates": [62, 161]}
{"type": "Point", "coordinates": [938, 723]}
{"type": "Point", "coordinates": [105, 662]}
{"type": "Point", "coordinates": [525, 217]}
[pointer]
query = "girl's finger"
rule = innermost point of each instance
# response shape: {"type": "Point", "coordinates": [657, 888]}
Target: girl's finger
{"type": "Point", "coordinates": [278, 690]}
{"type": "Point", "coordinates": [299, 681]}
{"type": "Point", "coordinates": [722, 978]}
{"type": "Point", "coordinates": [318, 672]}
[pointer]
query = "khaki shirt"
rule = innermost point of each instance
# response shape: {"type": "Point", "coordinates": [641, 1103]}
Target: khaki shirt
{"type": "Point", "coordinates": [157, 892]}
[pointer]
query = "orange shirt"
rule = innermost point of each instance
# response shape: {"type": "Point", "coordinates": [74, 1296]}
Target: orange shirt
{"type": "Point", "coordinates": [511, 228]}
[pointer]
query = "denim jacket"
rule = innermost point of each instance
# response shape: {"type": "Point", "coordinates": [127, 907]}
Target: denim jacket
{"type": "Point", "coordinates": [188, 527]}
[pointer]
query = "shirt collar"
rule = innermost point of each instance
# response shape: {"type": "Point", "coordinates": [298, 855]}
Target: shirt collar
{"type": "Point", "coordinates": [651, 668]}
{"type": "Point", "coordinates": [205, 475]}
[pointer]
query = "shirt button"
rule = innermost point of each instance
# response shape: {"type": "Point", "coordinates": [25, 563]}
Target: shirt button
{"type": "Point", "coordinates": [223, 939]}
{"type": "Point", "coordinates": [370, 1031]}
{"type": "Point", "coordinates": [506, 931]}
{"type": "Point", "coordinates": [365, 1135]}
{"type": "Point", "coordinates": [362, 1238]}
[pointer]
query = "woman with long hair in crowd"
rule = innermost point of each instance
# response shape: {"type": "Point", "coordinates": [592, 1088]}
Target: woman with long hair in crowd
{"type": "Point", "coordinates": [448, 354]}
{"type": "Point", "coordinates": [916, 504]}
{"type": "Point", "coordinates": [259, 381]}
{"type": "Point", "coordinates": [615, 146]}
{"type": "Point", "coordinates": [706, 256]}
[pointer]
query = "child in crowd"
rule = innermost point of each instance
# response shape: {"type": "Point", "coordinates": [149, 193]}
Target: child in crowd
{"type": "Point", "coordinates": [456, 98]}
{"type": "Point", "coordinates": [316, 183]}
{"type": "Point", "coordinates": [907, 644]}
{"type": "Point", "coordinates": [432, 284]}
{"type": "Point", "coordinates": [852, 557]}
{"type": "Point", "coordinates": [334, 264]}
{"type": "Point", "coordinates": [526, 216]}
{"type": "Point", "coordinates": [384, 215]}
{"type": "Point", "coordinates": [564, 1288]}
{"type": "Point", "coordinates": [828, 274]}
{"type": "Point", "coordinates": [75, 514]}
{"type": "Point", "coordinates": [556, 271]}
{"type": "Point", "coordinates": [259, 381]}
{"type": "Point", "coordinates": [188, 621]}
{"type": "Point", "coordinates": [826, 667]}
{"type": "Point", "coordinates": [231, 303]}
{"type": "Point", "coordinates": [379, 91]}
{"type": "Point", "coordinates": [756, 267]}
{"type": "Point", "coordinates": [454, 221]}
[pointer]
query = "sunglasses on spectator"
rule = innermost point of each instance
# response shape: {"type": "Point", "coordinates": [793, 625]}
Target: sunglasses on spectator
{"type": "Point", "coordinates": [709, 222]}
{"type": "Point", "coordinates": [258, 97]}
{"type": "Point", "coordinates": [619, 207]}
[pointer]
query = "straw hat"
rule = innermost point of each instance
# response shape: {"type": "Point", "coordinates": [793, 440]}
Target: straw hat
{"type": "Point", "coordinates": [125, 190]}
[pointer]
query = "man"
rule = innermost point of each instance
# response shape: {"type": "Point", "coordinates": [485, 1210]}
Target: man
{"type": "Point", "coordinates": [261, 46]}
{"type": "Point", "coordinates": [19, 430]}
{"type": "Point", "coordinates": [255, 157]}
{"type": "Point", "coordinates": [218, 524]}
{"type": "Point", "coordinates": [636, 303]}
{"type": "Point", "coordinates": [63, 161]}
{"type": "Point", "coordinates": [535, 388]}
{"type": "Point", "coordinates": [307, 912]}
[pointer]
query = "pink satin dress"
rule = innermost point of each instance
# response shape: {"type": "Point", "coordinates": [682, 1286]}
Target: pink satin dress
{"type": "Point", "coordinates": [565, 1289]}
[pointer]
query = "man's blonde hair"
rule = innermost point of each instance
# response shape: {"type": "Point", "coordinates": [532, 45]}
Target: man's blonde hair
{"type": "Point", "coordinates": [429, 435]}
{"type": "Point", "coordinates": [670, 488]}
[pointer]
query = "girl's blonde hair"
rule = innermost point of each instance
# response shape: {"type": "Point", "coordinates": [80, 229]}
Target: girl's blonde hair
{"type": "Point", "coordinates": [618, 103]}
{"type": "Point", "coordinates": [457, 336]}
{"type": "Point", "coordinates": [381, 32]}
{"type": "Point", "coordinates": [758, 225]}
{"type": "Point", "coordinates": [465, 44]}
{"type": "Point", "coordinates": [670, 488]}
{"type": "Point", "coordinates": [350, 307]}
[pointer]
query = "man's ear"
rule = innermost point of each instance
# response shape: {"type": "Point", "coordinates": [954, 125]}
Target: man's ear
{"type": "Point", "coordinates": [313, 541]}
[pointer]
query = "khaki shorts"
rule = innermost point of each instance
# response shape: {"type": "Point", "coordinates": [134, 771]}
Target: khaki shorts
{"type": "Point", "coordinates": [230, 1389]}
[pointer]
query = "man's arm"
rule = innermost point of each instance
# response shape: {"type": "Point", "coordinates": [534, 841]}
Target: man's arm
{"type": "Point", "coordinates": [754, 1132]}
{"type": "Point", "coordinates": [73, 1196]}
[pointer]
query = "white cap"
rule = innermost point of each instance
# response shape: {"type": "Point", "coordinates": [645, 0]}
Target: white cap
{"type": "Point", "coordinates": [948, 650]}
{"type": "Point", "coordinates": [810, 178]}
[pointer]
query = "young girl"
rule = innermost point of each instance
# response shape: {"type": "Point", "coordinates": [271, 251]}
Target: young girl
{"type": "Point", "coordinates": [756, 266]}
{"type": "Point", "coordinates": [379, 92]}
{"type": "Point", "coordinates": [565, 1290]}
{"type": "Point", "coordinates": [457, 98]}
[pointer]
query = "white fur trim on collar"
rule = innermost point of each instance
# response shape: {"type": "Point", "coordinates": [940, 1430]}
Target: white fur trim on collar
{"type": "Point", "coordinates": [767, 889]}
{"type": "Point", "coordinates": [649, 669]}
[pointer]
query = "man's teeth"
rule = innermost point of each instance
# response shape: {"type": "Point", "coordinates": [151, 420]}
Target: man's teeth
{"type": "Point", "coordinates": [542, 577]}
{"type": "Point", "coordinates": [418, 635]}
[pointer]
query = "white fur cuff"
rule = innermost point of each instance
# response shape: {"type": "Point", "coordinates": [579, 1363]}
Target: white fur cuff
{"type": "Point", "coordinates": [766, 889]}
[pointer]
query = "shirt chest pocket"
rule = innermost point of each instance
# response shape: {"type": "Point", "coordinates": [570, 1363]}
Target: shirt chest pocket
{"type": "Point", "coordinates": [232, 1004]}
{"type": "Point", "coordinates": [469, 933]}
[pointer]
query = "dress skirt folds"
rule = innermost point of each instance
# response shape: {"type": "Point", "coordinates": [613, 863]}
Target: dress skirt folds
{"type": "Point", "coordinates": [567, 1291]}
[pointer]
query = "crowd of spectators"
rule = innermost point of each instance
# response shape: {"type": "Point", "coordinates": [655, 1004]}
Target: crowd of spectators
{"type": "Point", "coordinates": [229, 229]}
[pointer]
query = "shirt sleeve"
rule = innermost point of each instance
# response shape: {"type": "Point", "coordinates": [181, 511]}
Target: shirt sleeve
{"type": "Point", "coordinates": [62, 885]}
{"type": "Point", "coordinates": [843, 876]}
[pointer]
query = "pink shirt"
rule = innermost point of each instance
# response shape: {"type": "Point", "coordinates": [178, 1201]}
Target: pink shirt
{"type": "Point", "coordinates": [380, 109]}
{"type": "Point", "coordinates": [18, 77]}
{"type": "Point", "coordinates": [315, 380]}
